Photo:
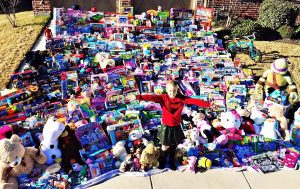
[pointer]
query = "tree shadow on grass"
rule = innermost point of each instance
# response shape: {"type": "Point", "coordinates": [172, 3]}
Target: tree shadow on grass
{"type": "Point", "coordinates": [33, 24]}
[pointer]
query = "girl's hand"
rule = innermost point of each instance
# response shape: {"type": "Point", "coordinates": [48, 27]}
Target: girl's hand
{"type": "Point", "coordinates": [213, 105]}
{"type": "Point", "coordinates": [131, 97]}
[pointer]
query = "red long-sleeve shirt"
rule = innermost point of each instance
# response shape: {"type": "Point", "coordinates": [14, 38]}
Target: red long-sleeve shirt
{"type": "Point", "coordinates": [172, 108]}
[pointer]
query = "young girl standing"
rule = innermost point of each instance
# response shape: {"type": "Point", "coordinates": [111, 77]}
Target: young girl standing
{"type": "Point", "coordinates": [171, 133]}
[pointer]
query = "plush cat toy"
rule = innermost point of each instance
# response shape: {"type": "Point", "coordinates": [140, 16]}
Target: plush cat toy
{"type": "Point", "coordinates": [231, 122]}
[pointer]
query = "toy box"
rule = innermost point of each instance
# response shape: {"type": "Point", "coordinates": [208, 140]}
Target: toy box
{"type": "Point", "coordinates": [121, 131]}
{"type": "Point", "coordinates": [92, 138]}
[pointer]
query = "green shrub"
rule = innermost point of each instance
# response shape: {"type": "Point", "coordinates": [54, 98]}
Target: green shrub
{"type": "Point", "coordinates": [276, 13]}
{"type": "Point", "coordinates": [286, 31]}
{"type": "Point", "coordinates": [246, 27]}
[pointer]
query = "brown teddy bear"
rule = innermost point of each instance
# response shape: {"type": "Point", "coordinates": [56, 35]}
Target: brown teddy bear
{"type": "Point", "coordinates": [149, 157]}
{"type": "Point", "coordinates": [15, 160]}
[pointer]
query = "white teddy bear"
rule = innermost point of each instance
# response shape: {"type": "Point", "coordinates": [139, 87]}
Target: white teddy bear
{"type": "Point", "coordinates": [120, 153]}
{"type": "Point", "coordinates": [51, 132]}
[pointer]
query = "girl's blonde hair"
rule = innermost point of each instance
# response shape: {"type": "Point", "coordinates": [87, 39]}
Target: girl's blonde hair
{"type": "Point", "coordinates": [171, 83]}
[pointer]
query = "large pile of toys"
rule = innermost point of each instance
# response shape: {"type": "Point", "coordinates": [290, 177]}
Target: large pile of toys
{"type": "Point", "coordinates": [71, 116]}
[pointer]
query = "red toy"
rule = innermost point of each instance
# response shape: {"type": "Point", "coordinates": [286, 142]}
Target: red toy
{"type": "Point", "coordinates": [5, 132]}
{"type": "Point", "coordinates": [48, 33]}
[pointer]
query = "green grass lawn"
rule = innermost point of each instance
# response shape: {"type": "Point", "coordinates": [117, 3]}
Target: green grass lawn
{"type": "Point", "coordinates": [15, 42]}
{"type": "Point", "coordinates": [272, 50]}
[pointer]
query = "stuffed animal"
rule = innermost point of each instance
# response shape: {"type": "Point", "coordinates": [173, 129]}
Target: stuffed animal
{"type": "Point", "coordinates": [246, 124]}
{"type": "Point", "coordinates": [258, 117]}
{"type": "Point", "coordinates": [270, 129]}
{"type": "Point", "coordinates": [120, 153]}
{"type": "Point", "coordinates": [69, 146]}
{"type": "Point", "coordinates": [206, 130]}
{"type": "Point", "coordinates": [279, 78]}
{"type": "Point", "coordinates": [104, 60]}
{"type": "Point", "coordinates": [191, 163]}
{"type": "Point", "coordinates": [136, 137]}
{"type": "Point", "coordinates": [51, 132]}
{"type": "Point", "coordinates": [231, 122]}
{"type": "Point", "coordinates": [205, 163]}
{"type": "Point", "coordinates": [187, 118]}
{"type": "Point", "coordinates": [127, 164]}
{"type": "Point", "coordinates": [296, 123]}
{"type": "Point", "coordinates": [149, 157]}
{"type": "Point", "coordinates": [17, 160]}
{"type": "Point", "coordinates": [276, 111]}
{"type": "Point", "coordinates": [195, 138]}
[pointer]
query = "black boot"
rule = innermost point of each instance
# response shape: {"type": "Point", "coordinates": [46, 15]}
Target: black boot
{"type": "Point", "coordinates": [163, 158]}
{"type": "Point", "coordinates": [172, 162]}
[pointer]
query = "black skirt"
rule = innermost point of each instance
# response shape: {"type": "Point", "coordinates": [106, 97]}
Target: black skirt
{"type": "Point", "coordinates": [170, 135]}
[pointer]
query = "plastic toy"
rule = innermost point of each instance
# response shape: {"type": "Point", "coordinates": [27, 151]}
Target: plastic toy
{"type": "Point", "coordinates": [246, 45]}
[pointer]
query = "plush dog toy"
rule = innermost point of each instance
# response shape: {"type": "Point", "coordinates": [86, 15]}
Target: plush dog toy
{"type": "Point", "coordinates": [149, 157]}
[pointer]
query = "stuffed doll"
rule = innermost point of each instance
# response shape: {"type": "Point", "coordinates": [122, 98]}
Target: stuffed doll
{"type": "Point", "coordinates": [231, 122]}
{"type": "Point", "coordinates": [270, 129]}
{"type": "Point", "coordinates": [127, 164]}
{"type": "Point", "coordinates": [247, 123]}
{"type": "Point", "coordinates": [69, 146]}
{"type": "Point", "coordinates": [276, 111]}
{"type": "Point", "coordinates": [279, 78]}
{"type": "Point", "coordinates": [17, 160]}
{"type": "Point", "coordinates": [137, 140]}
{"type": "Point", "coordinates": [194, 136]}
{"type": "Point", "coordinates": [49, 145]}
{"type": "Point", "coordinates": [191, 163]}
{"type": "Point", "coordinates": [206, 130]}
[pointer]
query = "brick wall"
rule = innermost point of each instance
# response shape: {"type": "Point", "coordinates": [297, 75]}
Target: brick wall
{"type": "Point", "coordinates": [244, 8]}
{"type": "Point", "coordinates": [41, 9]}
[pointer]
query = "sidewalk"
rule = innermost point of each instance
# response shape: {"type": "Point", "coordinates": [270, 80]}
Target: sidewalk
{"type": "Point", "coordinates": [211, 179]}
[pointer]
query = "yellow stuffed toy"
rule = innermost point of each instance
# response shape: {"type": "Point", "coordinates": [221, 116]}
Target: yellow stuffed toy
{"type": "Point", "coordinates": [279, 78]}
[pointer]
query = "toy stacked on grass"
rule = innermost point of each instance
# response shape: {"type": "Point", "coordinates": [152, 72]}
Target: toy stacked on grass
{"type": "Point", "coordinates": [278, 78]}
